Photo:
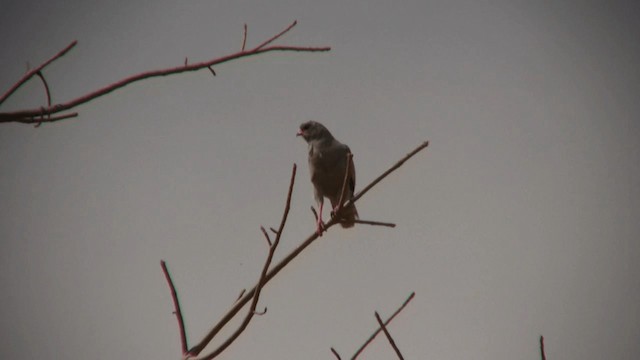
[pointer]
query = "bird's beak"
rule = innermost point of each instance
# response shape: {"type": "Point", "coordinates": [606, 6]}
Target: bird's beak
{"type": "Point", "coordinates": [299, 133]}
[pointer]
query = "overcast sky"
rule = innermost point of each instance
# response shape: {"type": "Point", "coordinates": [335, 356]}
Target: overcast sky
{"type": "Point", "coordinates": [520, 218]}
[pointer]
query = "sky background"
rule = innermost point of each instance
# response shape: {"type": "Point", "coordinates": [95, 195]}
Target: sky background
{"type": "Point", "coordinates": [520, 218]}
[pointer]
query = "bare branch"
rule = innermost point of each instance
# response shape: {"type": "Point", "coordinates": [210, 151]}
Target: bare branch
{"type": "Point", "coordinates": [542, 354]}
{"type": "Point", "coordinates": [35, 71]}
{"type": "Point", "coordinates": [386, 332]}
{"type": "Point", "coordinates": [391, 169]}
{"type": "Point", "coordinates": [261, 282]}
{"type": "Point", "coordinates": [46, 88]}
{"type": "Point", "coordinates": [27, 116]}
{"type": "Point", "coordinates": [260, 313]}
{"type": "Point", "coordinates": [244, 37]}
{"type": "Point", "coordinates": [176, 305]}
{"type": "Point", "coordinates": [336, 353]}
{"type": "Point", "coordinates": [266, 235]}
{"type": "Point", "coordinates": [373, 336]}
{"type": "Point", "coordinates": [241, 293]}
{"type": "Point", "coordinates": [375, 223]}
{"type": "Point", "coordinates": [285, 261]}
{"type": "Point", "coordinates": [274, 38]}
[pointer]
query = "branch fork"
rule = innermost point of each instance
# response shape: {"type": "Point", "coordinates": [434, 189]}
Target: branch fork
{"type": "Point", "coordinates": [52, 113]}
{"type": "Point", "coordinates": [267, 274]}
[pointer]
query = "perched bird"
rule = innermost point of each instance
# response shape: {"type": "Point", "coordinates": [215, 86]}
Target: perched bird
{"type": "Point", "coordinates": [328, 162]}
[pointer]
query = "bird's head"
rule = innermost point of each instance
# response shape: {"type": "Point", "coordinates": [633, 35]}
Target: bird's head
{"type": "Point", "coordinates": [313, 130]}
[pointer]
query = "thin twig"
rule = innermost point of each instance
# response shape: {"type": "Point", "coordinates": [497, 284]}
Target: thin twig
{"type": "Point", "coordinates": [244, 37]}
{"type": "Point", "coordinates": [373, 336]}
{"type": "Point", "coordinates": [274, 38]}
{"type": "Point", "coordinates": [391, 169]}
{"type": "Point", "coordinates": [176, 305]}
{"type": "Point", "coordinates": [33, 72]}
{"type": "Point", "coordinates": [266, 235]}
{"type": "Point", "coordinates": [47, 92]}
{"type": "Point", "coordinates": [46, 88]}
{"type": "Point", "coordinates": [241, 293]}
{"type": "Point", "coordinates": [29, 116]}
{"type": "Point", "coordinates": [260, 313]}
{"type": "Point", "coordinates": [336, 353]}
{"type": "Point", "coordinates": [386, 332]}
{"type": "Point", "coordinates": [230, 314]}
{"type": "Point", "coordinates": [375, 223]}
{"type": "Point", "coordinates": [41, 119]}
{"type": "Point", "coordinates": [542, 354]}
{"type": "Point", "coordinates": [262, 281]}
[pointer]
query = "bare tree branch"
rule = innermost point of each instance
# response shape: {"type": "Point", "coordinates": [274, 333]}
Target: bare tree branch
{"type": "Point", "coordinates": [336, 353]}
{"type": "Point", "coordinates": [275, 37]}
{"type": "Point", "coordinates": [240, 303]}
{"type": "Point", "coordinates": [263, 276]}
{"type": "Point", "coordinates": [176, 306]}
{"type": "Point", "coordinates": [269, 274]}
{"type": "Point", "coordinates": [391, 169]}
{"type": "Point", "coordinates": [241, 293]}
{"type": "Point", "coordinates": [35, 71]}
{"type": "Point", "coordinates": [373, 336]}
{"type": "Point", "coordinates": [38, 115]}
{"type": "Point", "coordinates": [386, 332]}
{"type": "Point", "coordinates": [244, 37]}
{"type": "Point", "coordinates": [375, 223]}
{"type": "Point", "coordinates": [542, 354]}
{"type": "Point", "coordinates": [266, 235]}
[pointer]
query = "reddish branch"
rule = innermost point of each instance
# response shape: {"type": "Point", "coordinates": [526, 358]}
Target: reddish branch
{"type": "Point", "coordinates": [542, 354]}
{"type": "Point", "coordinates": [270, 274]}
{"type": "Point", "coordinates": [43, 114]}
{"type": "Point", "coordinates": [263, 275]}
{"type": "Point", "coordinates": [386, 333]}
{"type": "Point", "coordinates": [176, 306]}
{"type": "Point", "coordinates": [35, 71]}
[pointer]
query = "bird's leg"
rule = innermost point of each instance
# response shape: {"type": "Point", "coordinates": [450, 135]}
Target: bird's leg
{"type": "Point", "coordinates": [320, 225]}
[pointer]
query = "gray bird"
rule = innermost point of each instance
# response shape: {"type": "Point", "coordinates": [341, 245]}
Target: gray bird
{"type": "Point", "coordinates": [327, 164]}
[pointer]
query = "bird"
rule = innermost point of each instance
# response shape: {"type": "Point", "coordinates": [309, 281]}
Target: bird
{"type": "Point", "coordinates": [328, 161]}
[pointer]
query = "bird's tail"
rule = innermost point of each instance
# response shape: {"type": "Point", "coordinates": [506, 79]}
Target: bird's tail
{"type": "Point", "coordinates": [348, 215]}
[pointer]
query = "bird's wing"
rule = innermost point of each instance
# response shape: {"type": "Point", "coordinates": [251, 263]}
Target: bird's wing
{"type": "Point", "coordinates": [351, 169]}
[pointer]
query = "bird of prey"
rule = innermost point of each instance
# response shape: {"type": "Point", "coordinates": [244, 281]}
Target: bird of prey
{"type": "Point", "coordinates": [328, 162]}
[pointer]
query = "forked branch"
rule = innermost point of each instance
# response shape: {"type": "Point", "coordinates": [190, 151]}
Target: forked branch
{"type": "Point", "coordinates": [44, 114]}
{"type": "Point", "coordinates": [268, 274]}
{"type": "Point", "coordinates": [258, 288]}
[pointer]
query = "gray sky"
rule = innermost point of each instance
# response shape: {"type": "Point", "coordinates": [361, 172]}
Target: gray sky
{"type": "Point", "coordinates": [520, 219]}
